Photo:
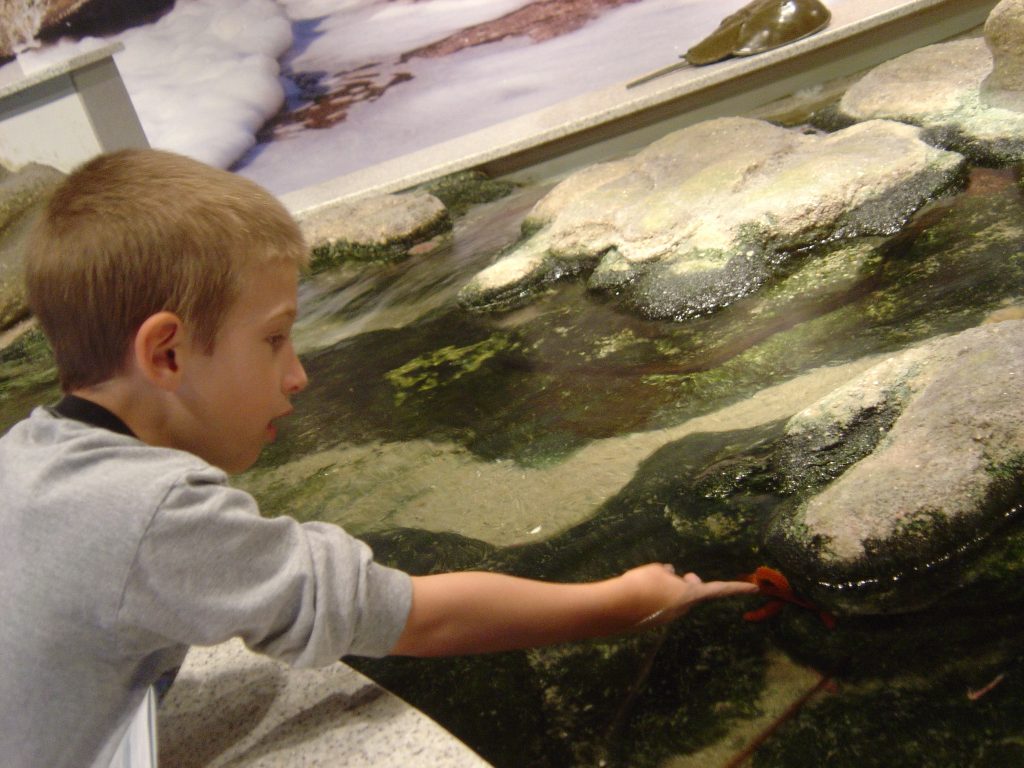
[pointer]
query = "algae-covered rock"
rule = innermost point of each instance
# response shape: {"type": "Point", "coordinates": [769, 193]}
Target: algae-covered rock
{"type": "Point", "coordinates": [13, 300]}
{"type": "Point", "coordinates": [707, 214]}
{"type": "Point", "coordinates": [28, 377]}
{"type": "Point", "coordinates": [914, 461]}
{"type": "Point", "coordinates": [21, 195]}
{"type": "Point", "coordinates": [379, 228]}
{"type": "Point", "coordinates": [460, 191]}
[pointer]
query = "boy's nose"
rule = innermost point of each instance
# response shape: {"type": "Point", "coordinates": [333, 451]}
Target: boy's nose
{"type": "Point", "coordinates": [295, 380]}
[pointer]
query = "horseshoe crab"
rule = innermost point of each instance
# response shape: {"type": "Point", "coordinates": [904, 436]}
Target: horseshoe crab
{"type": "Point", "coordinates": [757, 27]}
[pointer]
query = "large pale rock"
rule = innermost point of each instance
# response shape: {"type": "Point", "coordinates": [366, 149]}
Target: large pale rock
{"type": "Point", "coordinates": [968, 95]}
{"type": "Point", "coordinates": [382, 226]}
{"type": "Point", "coordinates": [928, 452]}
{"type": "Point", "coordinates": [21, 195]}
{"type": "Point", "coordinates": [703, 215]}
{"type": "Point", "coordinates": [1004, 35]}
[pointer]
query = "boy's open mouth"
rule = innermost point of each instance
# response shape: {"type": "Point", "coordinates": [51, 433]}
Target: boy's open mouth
{"type": "Point", "coordinates": [272, 427]}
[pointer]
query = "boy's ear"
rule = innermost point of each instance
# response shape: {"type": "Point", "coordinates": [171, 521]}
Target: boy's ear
{"type": "Point", "coordinates": [159, 345]}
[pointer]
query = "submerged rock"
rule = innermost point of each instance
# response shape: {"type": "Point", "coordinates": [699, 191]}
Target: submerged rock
{"type": "Point", "coordinates": [379, 228]}
{"type": "Point", "coordinates": [705, 215]}
{"type": "Point", "coordinates": [909, 466]}
{"type": "Point", "coordinates": [967, 95]}
{"type": "Point", "coordinates": [21, 195]}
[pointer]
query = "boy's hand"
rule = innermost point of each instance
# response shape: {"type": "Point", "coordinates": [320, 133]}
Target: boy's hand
{"type": "Point", "coordinates": [665, 596]}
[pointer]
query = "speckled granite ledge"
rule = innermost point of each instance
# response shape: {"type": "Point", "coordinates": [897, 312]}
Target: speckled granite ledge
{"type": "Point", "coordinates": [231, 707]}
{"type": "Point", "coordinates": [612, 121]}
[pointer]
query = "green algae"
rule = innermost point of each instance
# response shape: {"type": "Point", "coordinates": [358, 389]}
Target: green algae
{"type": "Point", "coordinates": [1009, 470]}
{"type": "Point", "coordinates": [491, 703]}
{"type": "Point", "coordinates": [714, 489]}
{"type": "Point", "coordinates": [445, 365]}
{"type": "Point", "coordinates": [657, 694]}
{"type": "Point", "coordinates": [993, 577]}
{"type": "Point", "coordinates": [462, 190]}
{"type": "Point", "coordinates": [629, 701]}
{"type": "Point", "coordinates": [810, 459]}
{"type": "Point", "coordinates": [420, 553]}
{"type": "Point", "coordinates": [929, 723]}
{"type": "Point", "coordinates": [340, 252]}
{"type": "Point", "coordinates": [306, 496]}
{"type": "Point", "coordinates": [28, 377]}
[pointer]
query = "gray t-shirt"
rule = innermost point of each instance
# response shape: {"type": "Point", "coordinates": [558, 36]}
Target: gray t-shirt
{"type": "Point", "coordinates": [115, 556]}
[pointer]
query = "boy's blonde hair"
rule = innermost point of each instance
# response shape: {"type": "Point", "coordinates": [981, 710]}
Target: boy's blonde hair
{"type": "Point", "coordinates": [134, 232]}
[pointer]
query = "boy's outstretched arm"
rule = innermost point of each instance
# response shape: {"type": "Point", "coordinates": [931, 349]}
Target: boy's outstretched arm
{"type": "Point", "coordinates": [476, 612]}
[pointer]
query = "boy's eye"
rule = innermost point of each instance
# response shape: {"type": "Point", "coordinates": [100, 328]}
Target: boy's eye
{"type": "Point", "coordinates": [277, 340]}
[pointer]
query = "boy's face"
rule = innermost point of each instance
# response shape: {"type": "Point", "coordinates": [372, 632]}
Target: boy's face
{"type": "Point", "coordinates": [234, 394]}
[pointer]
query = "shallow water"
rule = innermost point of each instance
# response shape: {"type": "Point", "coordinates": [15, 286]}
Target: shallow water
{"type": "Point", "coordinates": [570, 440]}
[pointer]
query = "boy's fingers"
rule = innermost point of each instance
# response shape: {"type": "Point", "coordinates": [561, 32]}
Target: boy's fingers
{"type": "Point", "coordinates": [715, 589]}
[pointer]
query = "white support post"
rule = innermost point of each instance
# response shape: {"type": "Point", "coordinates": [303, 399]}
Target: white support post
{"type": "Point", "coordinates": [66, 113]}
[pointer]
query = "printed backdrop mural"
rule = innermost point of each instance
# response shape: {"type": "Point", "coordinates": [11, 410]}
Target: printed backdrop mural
{"type": "Point", "coordinates": [295, 92]}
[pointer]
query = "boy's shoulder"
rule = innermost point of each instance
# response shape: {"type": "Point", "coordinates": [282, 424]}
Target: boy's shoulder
{"type": "Point", "coordinates": [63, 448]}
{"type": "Point", "coordinates": [71, 486]}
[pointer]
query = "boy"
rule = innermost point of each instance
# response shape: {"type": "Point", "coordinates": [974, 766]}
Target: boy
{"type": "Point", "coordinates": [168, 290]}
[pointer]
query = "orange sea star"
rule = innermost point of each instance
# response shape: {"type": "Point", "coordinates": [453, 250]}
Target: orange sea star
{"type": "Point", "coordinates": [776, 586]}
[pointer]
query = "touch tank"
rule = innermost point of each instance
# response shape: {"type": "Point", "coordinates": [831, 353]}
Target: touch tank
{"type": "Point", "coordinates": [608, 403]}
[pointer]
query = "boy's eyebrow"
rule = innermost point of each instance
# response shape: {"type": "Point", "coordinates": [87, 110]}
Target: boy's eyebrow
{"type": "Point", "coordinates": [284, 313]}
{"type": "Point", "coordinates": [285, 309]}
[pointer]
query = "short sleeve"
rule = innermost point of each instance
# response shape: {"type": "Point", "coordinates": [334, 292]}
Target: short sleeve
{"type": "Point", "coordinates": [210, 568]}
